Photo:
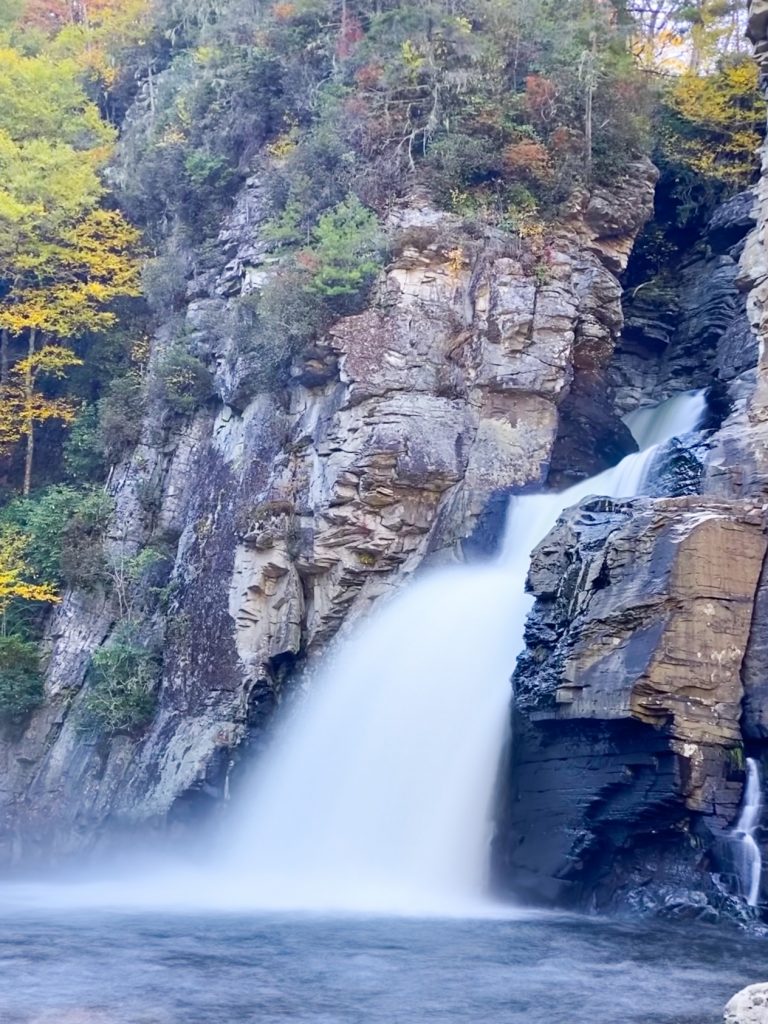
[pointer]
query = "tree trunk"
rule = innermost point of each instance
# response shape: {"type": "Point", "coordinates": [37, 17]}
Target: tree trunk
{"type": "Point", "coordinates": [29, 387]}
{"type": "Point", "coordinates": [151, 87]}
{"type": "Point", "coordinates": [4, 356]}
{"type": "Point", "coordinates": [588, 112]}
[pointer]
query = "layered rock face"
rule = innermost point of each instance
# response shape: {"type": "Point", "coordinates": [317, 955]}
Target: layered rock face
{"type": "Point", "coordinates": [686, 329]}
{"type": "Point", "coordinates": [291, 513]}
{"type": "Point", "coordinates": [642, 687]}
{"type": "Point", "coordinates": [628, 765]}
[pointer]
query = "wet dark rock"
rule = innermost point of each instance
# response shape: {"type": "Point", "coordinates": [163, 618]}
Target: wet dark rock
{"type": "Point", "coordinates": [626, 771]}
{"type": "Point", "coordinates": [688, 326]}
{"type": "Point", "coordinates": [755, 668]}
{"type": "Point", "coordinates": [485, 539]}
{"type": "Point", "coordinates": [591, 437]}
{"type": "Point", "coordinates": [678, 469]}
{"type": "Point", "coordinates": [731, 222]}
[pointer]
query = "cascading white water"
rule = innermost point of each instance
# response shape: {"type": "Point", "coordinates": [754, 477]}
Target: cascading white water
{"type": "Point", "coordinates": [750, 861]}
{"type": "Point", "coordinates": [377, 791]}
{"type": "Point", "coordinates": [376, 794]}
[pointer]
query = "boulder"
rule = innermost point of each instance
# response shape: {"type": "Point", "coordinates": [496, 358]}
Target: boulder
{"type": "Point", "coordinates": [750, 1006]}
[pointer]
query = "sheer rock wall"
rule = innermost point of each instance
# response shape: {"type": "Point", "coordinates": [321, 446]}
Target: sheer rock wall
{"type": "Point", "coordinates": [628, 769]}
{"type": "Point", "coordinates": [292, 513]}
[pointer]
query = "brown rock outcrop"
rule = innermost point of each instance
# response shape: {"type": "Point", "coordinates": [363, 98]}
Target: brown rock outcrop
{"type": "Point", "coordinates": [627, 733]}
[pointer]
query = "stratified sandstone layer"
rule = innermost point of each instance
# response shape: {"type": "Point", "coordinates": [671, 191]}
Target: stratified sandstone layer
{"type": "Point", "coordinates": [627, 760]}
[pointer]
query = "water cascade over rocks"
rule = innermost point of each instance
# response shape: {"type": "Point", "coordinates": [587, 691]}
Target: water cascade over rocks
{"type": "Point", "coordinates": [749, 860]}
{"type": "Point", "coordinates": [377, 792]}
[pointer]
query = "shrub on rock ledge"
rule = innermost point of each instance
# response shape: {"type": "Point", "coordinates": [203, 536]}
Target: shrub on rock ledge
{"type": "Point", "coordinates": [121, 695]}
{"type": "Point", "coordinates": [183, 380]}
{"type": "Point", "coordinates": [21, 684]}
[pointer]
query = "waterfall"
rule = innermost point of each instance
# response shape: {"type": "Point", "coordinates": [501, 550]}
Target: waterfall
{"type": "Point", "coordinates": [750, 861]}
{"type": "Point", "coordinates": [376, 793]}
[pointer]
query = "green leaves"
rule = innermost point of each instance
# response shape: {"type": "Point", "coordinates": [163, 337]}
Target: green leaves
{"type": "Point", "coordinates": [121, 689]}
{"type": "Point", "coordinates": [346, 254]}
{"type": "Point", "coordinates": [65, 528]}
{"type": "Point", "coordinates": [182, 380]}
{"type": "Point", "coordinates": [21, 685]}
{"type": "Point", "coordinates": [41, 98]}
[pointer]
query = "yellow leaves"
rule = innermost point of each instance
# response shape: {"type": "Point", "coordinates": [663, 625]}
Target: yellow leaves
{"type": "Point", "coordinates": [411, 57]}
{"type": "Point", "coordinates": [63, 261]}
{"type": "Point", "coordinates": [53, 360]}
{"type": "Point", "coordinates": [456, 262]}
{"type": "Point", "coordinates": [459, 200]}
{"type": "Point", "coordinates": [204, 54]}
{"type": "Point", "coordinates": [172, 136]}
{"type": "Point", "coordinates": [286, 141]}
{"type": "Point", "coordinates": [103, 249]}
{"type": "Point", "coordinates": [95, 41]}
{"type": "Point", "coordinates": [22, 406]}
{"type": "Point", "coordinates": [140, 351]}
{"type": "Point", "coordinates": [42, 98]}
{"type": "Point", "coordinates": [64, 286]}
{"type": "Point", "coordinates": [14, 574]}
{"type": "Point", "coordinates": [283, 146]}
{"type": "Point", "coordinates": [665, 51]}
{"type": "Point", "coordinates": [43, 184]}
{"type": "Point", "coordinates": [718, 120]}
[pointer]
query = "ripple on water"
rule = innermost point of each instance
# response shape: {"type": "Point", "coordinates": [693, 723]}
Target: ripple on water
{"type": "Point", "coordinates": [89, 967]}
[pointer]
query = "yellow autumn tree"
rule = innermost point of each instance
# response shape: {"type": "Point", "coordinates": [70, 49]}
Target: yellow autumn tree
{"type": "Point", "coordinates": [23, 406]}
{"type": "Point", "coordinates": [63, 287]}
{"type": "Point", "coordinates": [714, 122]}
{"type": "Point", "coordinates": [14, 574]}
{"type": "Point", "coordinates": [63, 259]}
{"type": "Point", "coordinates": [98, 35]}
{"type": "Point", "coordinates": [52, 146]}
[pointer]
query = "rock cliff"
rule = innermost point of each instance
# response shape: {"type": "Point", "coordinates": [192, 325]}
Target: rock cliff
{"type": "Point", "coordinates": [287, 515]}
{"type": "Point", "coordinates": [642, 687]}
{"type": "Point", "coordinates": [484, 365]}
{"type": "Point", "coordinates": [628, 765]}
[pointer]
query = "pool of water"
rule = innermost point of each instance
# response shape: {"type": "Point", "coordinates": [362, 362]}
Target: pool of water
{"type": "Point", "coordinates": [100, 967]}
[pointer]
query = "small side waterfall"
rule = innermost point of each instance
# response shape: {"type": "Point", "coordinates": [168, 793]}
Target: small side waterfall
{"type": "Point", "coordinates": [377, 792]}
{"type": "Point", "coordinates": [750, 861]}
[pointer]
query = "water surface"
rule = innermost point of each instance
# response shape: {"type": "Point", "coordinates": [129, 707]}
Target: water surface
{"type": "Point", "coordinates": [118, 968]}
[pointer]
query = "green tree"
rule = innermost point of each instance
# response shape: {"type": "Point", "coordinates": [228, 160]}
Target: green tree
{"type": "Point", "coordinates": [346, 251]}
{"type": "Point", "coordinates": [121, 693]}
{"type": "Point", "coordinates": [21, 684]}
